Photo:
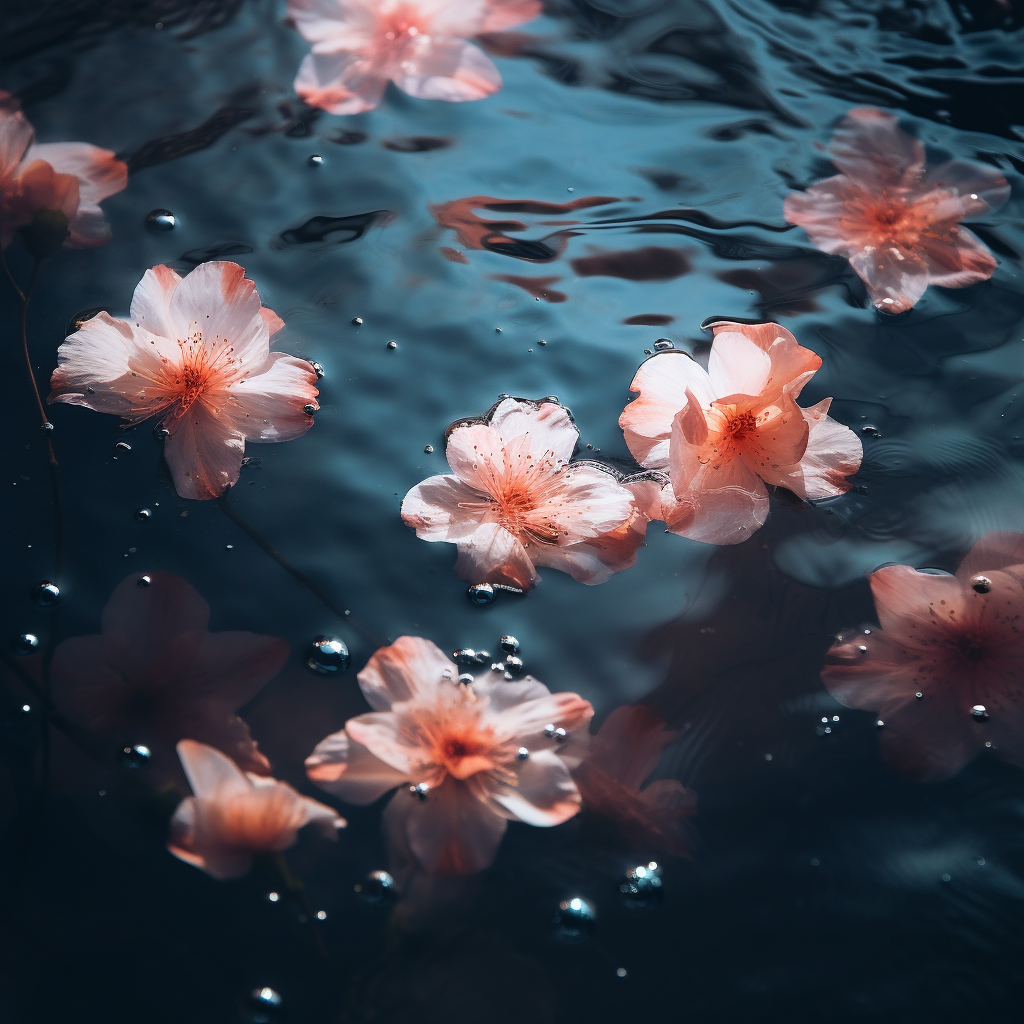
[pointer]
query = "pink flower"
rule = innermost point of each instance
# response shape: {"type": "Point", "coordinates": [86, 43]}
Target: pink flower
{"type": "Point", "coordinates": [420, 45]}
{"type": "Point", "coordinates": [67, 177]}
{"type": "Point", "coordinates": [945, 672]}
{"type": "Point", "coordinates": [723, 433]}
{"type": "Point", "coordinates": [233, 816]}
{"type": "Point", "coordinates": [515, 501]}
{"type": "Point", "coordinates": [156, 674]}
{"type": "Point", "coordinates": [469, 758]}
{"type": "Point", "coordinates": [896, 222]}
{"type": "Point", "coordinates": [196, 352]}
{"type": "Point", "coordinates": [625, 751]}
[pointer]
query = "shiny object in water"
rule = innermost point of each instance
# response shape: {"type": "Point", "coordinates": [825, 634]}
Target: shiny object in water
{"type": "Point", "coordinates": [378, 888]}
{"type": "Point", "coordinates": [575, 919]}
{"type": "Point", "coordinates": [160, 221]}
{"type": "Point", "coordinates": [136, 756]}
{"type": "Point", "coordinates": [328, 656]}
{"type": "Point", "coordinates": [46, 594]}
{"type": "Point", "coordinates": [25, 644]}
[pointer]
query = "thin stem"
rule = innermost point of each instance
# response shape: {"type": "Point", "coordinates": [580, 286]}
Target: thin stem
{"type": "Point", "coordinates": [10, 276]}
{"type": "Point", "coordinates": [295, 573]}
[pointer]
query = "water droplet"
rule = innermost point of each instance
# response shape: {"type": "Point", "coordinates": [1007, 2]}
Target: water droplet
{"type": "Point", "coordinates": [262, 1006]}
{"type": "Point", "coordinates": [420, 791]}
{"type": "Point", "coordinates": [25, 644]}
{"type": "Point", "coordinates": [161, 433]}
{"type": "Point", "coordinates": [466, 679]}
{"type": "Point", "coordinates": [919, 695]}
{"type": "Point", "coordinates": [328, 656]}
{"type": "Point", "coordinates": [663, 345]}
{"type": "Point", "coordinates": [321, 915]}
{"type": "Point", "coordinates": [357, 321]}
{"type": "Point", "coordinates": [378, 888]}
{"type": "Point", "coordinates": [497, 330]}
{"type": "Point", "coordinates": [161, 220]}
{"type": "Point", "coordinates": [981, 584]}
{"type": "Point", "coordinates": [309, 408]}
{"type": "Point", "coordinates": [513, 666]}
{"type": "Point", "coordinates": [981, 861]}
{"type": "Point", "coordinates": [642, 885]}
{"type": "Point", "coordinates": [555, 733]}
{"type": "Point", "coordinates": [46, 594]}
{"type": "Point", "coordinates": [481, 593]}
{"type": "Point", "coordinates": [137, 756]}
{"type": "Point", "coordinates": [945, 878]}
{"type": "Point", "coordinates": [979, 712]}
{"type": "Point", "coordinates": [522, 754]}
{"type": "Point", "coordinates": [392, 345]}
{"type": "Point", "coordinates": [620, 972]}
{"type": "Point", "coordinates": [575, 919]}
{"type": "Point", "coordinates": [316, 160]}
{"type": "Point", "coordinates": [273, 896]}
{"type": "Point", "coordinates": [509, 644]}
{"type": "Point", "coordinates": [120, 448]}
{"type": "Point", "coordinates": [466, 656]}
{"type": "Point", "coordinates": [144, 581]}
{"type": "Point", "coordinates": [815, 863]}
{"type": "Point", "coordinates": [318, 369]}
{"type": "Point", "coordinates": [879, 724]}
{"type": "Point", "coordinates": [142, 514]}
{"type": "Point", "coordinates": [868, 430]}
{"type": "Point", "coordinates": [46, 427]}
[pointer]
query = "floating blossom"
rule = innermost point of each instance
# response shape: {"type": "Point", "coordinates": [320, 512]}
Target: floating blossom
{"type": "Point", "coordinates": [515, 501]}
{"type": "Point", "coordinates": [233, 816]}
{"type": "Point", "coordinates": [897, 222]}
{"type": "Point", "coordinates": [157, 675]}
{"type": "Point", "coordinates": [945, 672]}
{"type": "Point", "coordinates": [724, 433]}
{"type": "Point", "coordinates": [625, 751]}
{"type": "Point", "coordinates": [196, 353]}
{"type": "Point", "coordinates": [469, 758]}
{"type": "Point", "coordinates": [420, 45]}
{"type": "Point", "coordinates": [67, 178]}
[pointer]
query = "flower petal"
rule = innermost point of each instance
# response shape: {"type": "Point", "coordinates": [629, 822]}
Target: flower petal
{"type": "Point", "coordinates": [448, 69]}
{"type": "Point", "coordinates": [349, 771]}
{"type": "Point", "coordinates": [957, 259]}
{"type": "Point", "coordinates": [970, 178]}
{"type": "Point", "coordinates": [738, 365]}
{"type": "Point", "coordinates": [548, 426]}
{"type": "Point", "coordinates": [544, 793]}
{"type": "Point", "coordinates": [269, 403]}
{"type": "Point", "coordinates": [994, 551]}
{"type": "Point", "coordinates": [210, 773]}
{"type": "Point", "coordinates": [151, 303]}
{"type": "Point", "coordinates": [204, 453]}
{"type": "Point", "coordinates": [15, 134]}
{"type": "Point", "coordinates": [436, 508]}
{"type": "Point", "coordinates": [718, 515]}
{"type": "Point", "coordinates": [870, 147]}
{"type": "Point", "coordinates": [382, 735]}
{"type": "Point", "coordinates": [410, 668]}
{"type": "Point", "coordinates": [490, 554]}
{"type": "Point", "coordinates": [914, 607]}
{"type": "Point", "coordinates": [505, 14]}
{"type": "Point", "coordinates": [340, 83]}
{"type": "Point", "coordinates": [895, 277]}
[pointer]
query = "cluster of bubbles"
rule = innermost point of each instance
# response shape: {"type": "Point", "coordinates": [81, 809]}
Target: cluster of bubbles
{"type": "Point", "coordinates": [511, 668]}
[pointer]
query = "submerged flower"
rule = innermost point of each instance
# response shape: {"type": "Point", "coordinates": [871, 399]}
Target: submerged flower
{"type": "Point", "coordinates": [897, 222]}
{"type": "Point", "coordinates": [196, 353]}
{"type": "Point", "coordinates": [156, 675]}
{"type": "Point", "coordinates": [515, 501]}
{"type": "Point", "coordinates": [65, 178]}
{"type": "Point", "coordinates": [625, 751]}
{"type": "Point", "coordinates": [469, 757]}
{"type": "Point", "coordinates": [233, 816]}
{"type": "Point", "coordinates": [723, 433]}
{"type": "Point", "coordinates": [945, 672]}
{"type": "Point", "coordinates": [420, 45]}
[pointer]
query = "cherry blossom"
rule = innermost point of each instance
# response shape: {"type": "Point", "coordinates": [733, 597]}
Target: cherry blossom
{"type": "Point", "coordinates": [196, 353]}
{"type": "Point", "coordinates": [723, 433]}
{"type": "Point", "coordinates": [68, 178]}
{"type": "Point", "coordinates": [420, 45]}
{"type": "Point", "coordinates": [232, 815]}
{"type": "Point", "coordinates": [469, 757]}
{"type": "Point", "coordinates": [896, 221]}
{"type": "Point", "coordinates": [623, 754]}
{"type": "Point", "coordinates": [157, 675]}
{"type": "Point", "coordinates": [515, 501]}
{"type": "Point", "coordinates": [944, 672]}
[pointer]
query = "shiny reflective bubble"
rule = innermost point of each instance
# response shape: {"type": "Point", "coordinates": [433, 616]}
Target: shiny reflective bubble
{"type": "Point", "coordinates": [642, 885]}
{"type": "Point", "coordinates": [663, 345]}
{"type": "Point", "coordinates": [979, 712]}
{"type": "Point", "coordinates": [25, 644]}
{"type": "Point", "coordinates": [328, 656]}
{"type": "Point", "coordinates": [575, 920]}
{"type": "Point", "coordinates": [378, 888]}
{"type": "Point", "coordinates": [142, 514]}
{"type": "Point", "coordinates": [316, 160]}
{"type": "Point", "coordinates": [556, 733]}
{"type": "Point", "coordinates": [481, 593]}
{"type": "Point", "coordinates": [262, 1006]}
{"type": "Point", "coordinates": [513, 666]}
{"type": "Point", "coordinates": [509, 644]}
{"type": "Point", "coordinates": [428, 449]}
{"type": "Point", "coordinates": [144, 581]}
{"type": "Point", "coordinates": [135, 756]}
{"type": "Point", "coordinates": [981, 584]}
{"type": "Point", "coordinates": [466, 678]}
{"type": "Point", "coordinates": [121, 448]}
{"type": "Point", "coordinates": [309, 408]}
{"type": "Point", "coordinates": [161, 220]}
{"type": "Point", "coordinates": [420, 791]}
{"type": "Point", "coordinates": [466, 657]}
{"type": "Point", "coordinates": [161, 433]}
{"type": "Point", "coordinates": [46, 594]}
{"type": "Point", "coordinates": [357, 321]}
{"type": "Point", "coordinates": [318, 369]}
{"type": "Point", "coordinates": [522, 754]}
{"type": "Point", "coordinates": [392, 345]}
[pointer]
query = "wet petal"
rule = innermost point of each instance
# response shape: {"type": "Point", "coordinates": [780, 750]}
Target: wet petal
{"type": "Point", "coordinates": [269, 403]}
{"type": "Point", "coordinates": [505, 14]}
{"type": "Point", "coordinates": [410, 668]}
{"type": "Point", "coordinates": [448, 69]}
{"type": "Point", "coordinates": [15, 134]}
{"type": "Point", "coordinates": [204, 453]}
{"type": "Point", "coordinates": [381, 732]}
{"type": "Point", "coordinates": [895, 277]}
{"type": "Point", "coordinates": [957, 259]}
{"type": "Point", "coordinates": [544, 793]}
{"type": "Point", "coordinates": [438, 509]}
{"type": "Point", "coordinates": [348, 770]}
{"type": "Point", "coordinates": [823, 212]}
{"type": "Point", "coordinates": [994, 551]}
{"type": "Point", "coordinates": [969, 179]}
{"type": "Point", "coordinates": [548, 426]}
{"type": "Point", "coordinates": [718, 515]}
{"type": "Point", "coordinates": [210, 773]}
{"type": "Point", "coordinates": [915, 607]}
{"type": "Point", "coordinates": [737, 364]}
{"type": "Point", "coordinates": [340, 83]}
{"type": "Point", "coordinates": [151, 303]}
{"type": "Point", "coordinates": [490, 554]}
{"type": "Point", "coordinates": [870, 147]}
{"type": "Point", "coordinates": [791, 367]}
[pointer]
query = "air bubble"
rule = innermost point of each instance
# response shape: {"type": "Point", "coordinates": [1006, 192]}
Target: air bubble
{"type": "Point", "coordinates": [420, 791]}
{"type": "Point", "coordinates": [357, 321]}
{"type": "Point", "coordinates": [466, 657]}
{"type": "Point", "coordinates": [46, 594]}
{"type": "Point", "coordinates": [392, 345]}
{"type": "Point", "coordinates": [428, 449]}
{"type": "Point", "coordinates": [328, 656]}
{"type": "Point", "coordinates": [513, 666]}
{"type": "Point", "coordinates": [663, 345]}
{"type": "Point", "coordinates": [136, 756]}
{"type": "Point", "coordinates": [144, 581]}
{"type": "Point", "coordinates": [160, 221]}
{"type": "Point", "coordinates": [509, 644]}
{"type": "Point", "coordinates": [979, 712]}
{"type": "Point", "coordinates": [262, 1006]}
{"type": "Point", "coordinates": [481, 593]}
{"type": "Point", "coordinates": [25, 644]}
{"type": "Point", "coordinates": [119, 449]}
{"type": "Point", "coordinates": [981, 584]}
{"type": "Point", "coordinates": [316, 160]}
{"type": "Point", "coordinates": [309, 408]}
{"type": "Point", "coordinates": [466, 679]}
{"type": "Point", "coordinates": [142, 514]}
{"type": "Point", "coordinates": [378, 888]}
{"type": "Point", "coordinates": [318, 369]}
{"type": "Point", "coordinates": [642, 885]}
{"type": "Point", "coordinates": [575, 919]}
{"type": "Point", "coordinates": [522, 754]}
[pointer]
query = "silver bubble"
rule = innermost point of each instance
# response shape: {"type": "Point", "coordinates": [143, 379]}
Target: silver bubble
{"type": "Point", "coordinates": [25, 644]}
{"type": "Point", "coordinates": [137, 756]}
{"type": "Point", "coordinates": [575, 919]}
{"type": "Point", "coordinates": [316, 160]}
{"type": "Point", "coordinates": [663, 345]}
{"type": "Point", "coordinates": [981, 584]}
{"type": "Point", "coordinates": [979, 712]}
{"type": "Point", "coordinates": [262, 1006]}
{"type": "Point", "coordinates": [420, 791]}
{"type": "Point", "coordinates": [46, 594]}
{"type": "Point", "coordinates": [509, 644]}
{"type": "Point", "coordinates": [481, 593]}
{"type": "Point", "coordinates": [328, 656]}
{"type": "Point", "coordinates": [642, 885]}
{"type": "Point", "coordinates": [142, 514]}
{"type": "Point", "coordinates": [513, 666]}
{"type": "Point", "coordinates": [144, 581]}
{"type": "Point", "coordinates": [378, 888]}
{"type": "Point", "coordinates": [161, 220]}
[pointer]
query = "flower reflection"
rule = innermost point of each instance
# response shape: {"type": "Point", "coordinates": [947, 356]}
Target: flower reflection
{"type": "Point", "coordinates": [233, 815]}
{"type": "Point", "coordinates": [67, 178]}
{"type": "Point", "coordinates": [945, 671]}
{"type": "Point", "coordinates": [469, 757]}
{"type": "Point", "coordinates": [625, 751]}
{"type": "Point", "coordinates": [156, 675]}
{"type": "Point", "coordinates": [515, 501]}
{"type": "Point", "coordinates": [196, 352]}
{"type": "Point", "coordinates": [724, 433]}
{"type": "Point", "coordinates": [420, 45]}
{"type": "Point", "coordinates": [897, 222]}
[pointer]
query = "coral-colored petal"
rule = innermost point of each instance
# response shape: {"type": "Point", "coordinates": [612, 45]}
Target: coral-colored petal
{"type": "Point", "coordinates": [527, 723]}
{"type": "Point", "coordinates": [437, 508]}
{"type": "Point", "coordinates": [15, 134]}
{"type": "Point", "coordinates": [544, 793]}
{"type": "Point", "coordinates": [348, 770]}
{"type": "Point", "coordinates": [971, 179]}
{"type": "Point", "coordinates": [505, 14]}
{"type": "Point", "coordinates": [381, 733]}
{"type": "Point", "coordinates": [957, 260]}
{"type": "Point", "coordinates": [629, 744]}
{"type": "Point", "coordinates": [269, 403]}
{"type": "Point", "coordinates": [490, 554]}
{"type": "Point", "coordinates": [272, 320]}
{"type": "Point", "coordinates": [408, 669]}
{"type": "Point", "coordinates": [994, 551]}
{"type": "Point", "coordinates": [340, 83]}
{"type": "Point", "coordinates": [718, 515]}
{"type": "Point", "coordinates": [151, 303]}
{"type": "Point", "coordinates": [737, 364]}
{"type": "Point", "coordinates": [791, 367]}
{"type": "Point", "coordinates": [210, 773]}
{"type": "Point", "coordinates": [823, 212]}
{"type": "Point", "coordinates": [204, 453]}
{"type": "Point", "coordinates": [914, 607]}
{"type": "Point", "coordinates": [448, 69]}
{"type": "Point", "coordinates": [548, 426]}
{"type": "Point", "coordinates": [870, 147]}
{"type": "Point", "coordinates": [451, 832]}
{"type": "Point", "coordinates": [895, 277]}
{"type": "Point", "coordinates": [662, 382]}
{"type": "Point", "coordinates": [476, 456]}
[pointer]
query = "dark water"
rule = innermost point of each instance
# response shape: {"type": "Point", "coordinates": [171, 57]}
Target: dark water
{"type": "Point", "coordinates": [820, 887]}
